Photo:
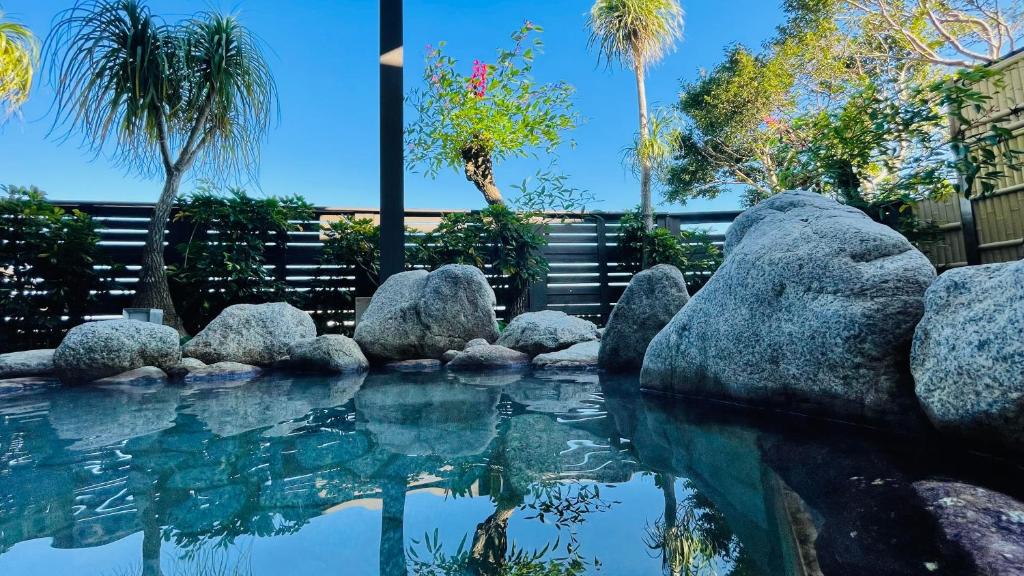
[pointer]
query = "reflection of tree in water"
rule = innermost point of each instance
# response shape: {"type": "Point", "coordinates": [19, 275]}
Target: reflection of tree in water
{"type": "Point", "coordinates": [692, 536]}
{"type": "Point", "coordinates": [562, 505]}
{"type": "Point", "coordinates": [528, 471]}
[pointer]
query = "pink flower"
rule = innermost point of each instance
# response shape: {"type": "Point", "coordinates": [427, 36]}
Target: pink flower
{"type": "Point", "coordinates": [478, 80]}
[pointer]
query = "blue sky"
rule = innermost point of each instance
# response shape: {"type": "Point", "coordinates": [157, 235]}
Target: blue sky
{"type": "Point", "coordinates": [324, 56]}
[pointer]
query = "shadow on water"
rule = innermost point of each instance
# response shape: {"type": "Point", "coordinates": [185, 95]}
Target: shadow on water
{"type": "Point", "coordinates": [460, 474]}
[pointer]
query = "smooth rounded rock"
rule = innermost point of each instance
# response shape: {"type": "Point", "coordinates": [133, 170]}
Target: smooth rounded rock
{"type": "Point", "coordinates": [223, 371]}
{"type": "Point", "coordinates": [144, 375]}
{"type": "Point", "coordinates": [488, 357]}
{"type": "Point", "coordinates": [256, 334]}
{"type": "Point", "coordinates": [546, 331]}
{"type": "Point", "coordinates": [813, 310]}
{"type": "Point", "coordinates": [330, 353]}
{"type": "Point", "coordinates": [651, 300]}
{"type": "Point", "coordinates": [968, 355]}
{"type": "Point", "coordinates": [96, 350]}
{"type": "Point", "coordinates": [416, 365]}
{"type": "Point", "coordinates": [26, 363]}
{"type": "Point", "coordinates": [417, 314]}
{"type": "Point", "coordinates": [582, 356]}
{"type": "Point", "coordinates": [185, 367]}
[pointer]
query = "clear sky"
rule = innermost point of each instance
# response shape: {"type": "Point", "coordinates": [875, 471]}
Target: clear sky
{"type": "Point", "coordinates": [324, 57]}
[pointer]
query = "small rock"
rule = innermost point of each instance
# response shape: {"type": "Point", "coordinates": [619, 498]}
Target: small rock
{"type": "Point", "coordinates": [27, 363]}
{"type": "Point", "coordinates": [185, 367]}
{"type": "Point", "coordinates": [144, 375]}
{"type": "Point", "coordinates": [449, 356]}
{"type": "Point", "coordinates": [582, 356]}
{"type": "Point", "coordinates": [546, 331]}
{"type": "Point", "coordinates": [257, 334]}
{"type": "Point", "coordinates": [986, 525]}
{"type": "Point", "coordinates": [418, 365]}
{"type": "Point", "coordinates": [489, 357]}
{"type": "Point", "coordinates": [96, 350]}
{"type": "Point", "coordinates": [223, 371]}
{"type": "Point", "coordinates": [331, 353]}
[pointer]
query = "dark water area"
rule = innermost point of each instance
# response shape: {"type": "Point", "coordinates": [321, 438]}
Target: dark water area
{"type": "Point", "coordinates": [396, 474]}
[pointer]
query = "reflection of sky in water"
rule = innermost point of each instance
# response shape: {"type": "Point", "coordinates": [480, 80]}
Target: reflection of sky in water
{"type": "Point", "coordinates": [293, 476]}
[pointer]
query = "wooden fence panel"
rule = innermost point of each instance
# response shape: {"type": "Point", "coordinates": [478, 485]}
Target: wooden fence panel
{"type": "Point", "coordinates": [585, 278]}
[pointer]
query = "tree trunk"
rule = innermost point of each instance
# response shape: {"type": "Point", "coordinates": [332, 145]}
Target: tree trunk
{"type": "Point", "coordinates": [153, 290]}
{"type": "Point", "coordinates": [645, 164]}
{"type": "Point", "coordinates": [490, 542]}
{"type": "Point", "coordinates": [480, 171]}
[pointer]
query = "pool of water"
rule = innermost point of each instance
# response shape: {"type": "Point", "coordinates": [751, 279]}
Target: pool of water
{"type": "Point", "coordinates": [437, 474]}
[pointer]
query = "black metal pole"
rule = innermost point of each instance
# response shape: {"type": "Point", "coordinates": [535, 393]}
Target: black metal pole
{"type": "Point", "coordinates": [392, 167]}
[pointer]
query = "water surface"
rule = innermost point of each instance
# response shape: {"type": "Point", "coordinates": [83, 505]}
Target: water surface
{"type": "Point", "coordinates": [395, 474]}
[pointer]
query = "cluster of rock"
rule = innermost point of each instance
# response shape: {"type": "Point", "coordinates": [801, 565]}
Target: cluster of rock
{"type": "Point", "coordinates": [815, 308]}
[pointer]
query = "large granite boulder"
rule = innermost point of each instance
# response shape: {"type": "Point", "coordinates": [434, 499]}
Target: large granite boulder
{"type": "Point", "coordinates": [257, 334]}
{"type": "Point", "coordinates": [988, 527]}
{"type": "Point", "coordinates": [417, 314]}
{"type": "Point", "coordinates": [546, 331]}
{"type": "Point", "coordinates": [488, 357]}
{"type": "Point", "coordinates": [813, 309]}
{"type": "Point", "coordinates": [651, 300]}
{"type": "Point", "coordinates": [582, 356]}
{"type": "Point", "coordinates": [331, 353]}
{"type": "Point", "coordinates": [96, 350]}
{"type": "Point", "coordinates": [968, 354]}
{"type": "Point", "coordinates": [27, 363]}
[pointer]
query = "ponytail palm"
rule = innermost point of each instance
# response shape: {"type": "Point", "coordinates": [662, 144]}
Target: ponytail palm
{"type": "Point", "coordinates": [161, 98]}
{"type": "Point", "coordinates": [637, 34]}
{"type": "Point", "coordinates": [19, 52]}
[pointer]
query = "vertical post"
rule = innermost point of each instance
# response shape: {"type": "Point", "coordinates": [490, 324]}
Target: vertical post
{"type": "Point", "coordinates": [969, 228]}
{"type": "Point", "coordinates": [602, 270]}
{"type": "Point", "coordinates": [392, 166]}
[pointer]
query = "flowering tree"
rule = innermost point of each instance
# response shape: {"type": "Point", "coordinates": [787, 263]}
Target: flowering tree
{"type": "Point", "coordinates": [497, 112]}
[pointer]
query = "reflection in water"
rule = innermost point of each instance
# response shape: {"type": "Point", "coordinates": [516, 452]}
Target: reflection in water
{"type": "Point", "coordinates": [397, 474]}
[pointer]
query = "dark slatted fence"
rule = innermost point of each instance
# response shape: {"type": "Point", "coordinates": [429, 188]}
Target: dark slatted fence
{"type": "Point", "coordinates": [585, 279]}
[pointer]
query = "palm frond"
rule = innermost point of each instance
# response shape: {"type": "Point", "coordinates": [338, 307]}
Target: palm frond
{"type": "Point", "coordinates": [19, 55]}
{"type": "Point", "coordinates": [635, 32]}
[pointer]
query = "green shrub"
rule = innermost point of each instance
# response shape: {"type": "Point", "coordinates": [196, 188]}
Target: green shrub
{"type": "Point", "coordinates": [353, 244]}
{"type": "Point", "coordinates": [223, 262]}
{"type": "Point", "coordinates": [692, 251]}
{"type": "Point", "coordinates": [48, 274]}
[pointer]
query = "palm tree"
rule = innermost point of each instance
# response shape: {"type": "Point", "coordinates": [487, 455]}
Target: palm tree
{"type": "Point", "coordinates": [19, 53]}
{"type": "Point", "coordinates": [637, 34]}
{"type": "Point", "coordinates": [161, 98]}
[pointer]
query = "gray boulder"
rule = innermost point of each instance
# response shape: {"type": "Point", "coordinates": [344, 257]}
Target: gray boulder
{"type": "Point", "coordinates": [651, 300]}
{"type": "Point", "coordinates": [257, 334]}
{"type": "Point", "coordinates": [968, 354]}
{"type": "Point", "coordinates": [96, 350]}
{"type": "Point", "coordinates": [332, 353]}
{"type": "Point", "coordinates": [27, 363]}
{"type": "Point", "coordinates": [488, 357]}
{"type": "Point", "coordinates": [813, 309]}
{"type": "Point", "coordinates": [449, 356]}
{"type": "Point", "coordinates": [582, 356]}
{"type": "Point", "coordinates": [986, 526]}
{"type": "Point", "coordinates": [417, 314]}
{"type": "Point", "coordinates": [546, 331]}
